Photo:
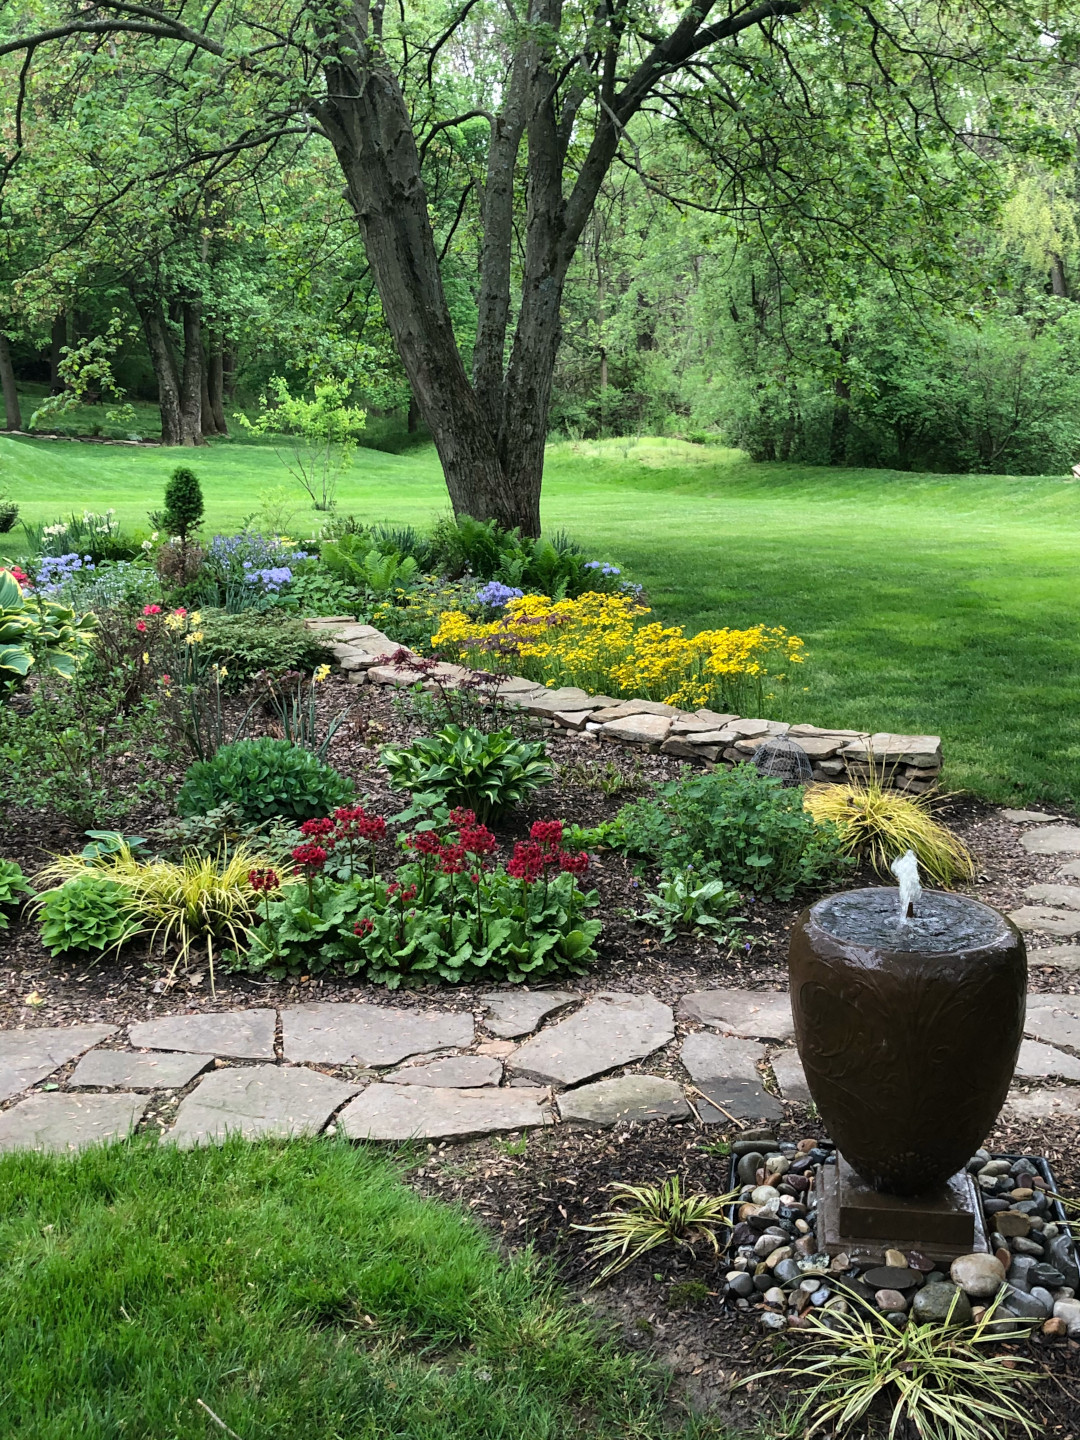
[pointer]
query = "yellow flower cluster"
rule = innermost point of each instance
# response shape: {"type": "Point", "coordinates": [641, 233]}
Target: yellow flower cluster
{"type": "Point", "coordinates": [599, 643]}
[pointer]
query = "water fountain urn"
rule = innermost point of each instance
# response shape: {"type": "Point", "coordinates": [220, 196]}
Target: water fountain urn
{"type": "Point", "coordinates": [909, 1012]}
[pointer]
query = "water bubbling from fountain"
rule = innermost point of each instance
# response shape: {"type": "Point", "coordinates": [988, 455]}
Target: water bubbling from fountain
{"type": "Point", "coordinates": [906, 870]}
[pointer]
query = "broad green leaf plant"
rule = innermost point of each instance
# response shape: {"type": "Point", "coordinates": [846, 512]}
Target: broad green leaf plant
{"type": "Point", "coordinates": [38, 632]}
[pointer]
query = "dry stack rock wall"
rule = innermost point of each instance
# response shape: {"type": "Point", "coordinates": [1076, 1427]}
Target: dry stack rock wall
{"type": "Point", "coordinates": [908, 762]}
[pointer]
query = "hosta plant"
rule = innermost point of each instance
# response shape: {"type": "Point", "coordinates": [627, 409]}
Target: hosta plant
{"type": "Point", "coordinates": [264, 778]}
{"type": "Point", "coordinates": [88, 914]}
{"type": "Point", "coordinates": [37, 631]}
{"type": "Point", "coordinates": [13, 886]}
{"type": "Point", "coordinates": [463, 766]}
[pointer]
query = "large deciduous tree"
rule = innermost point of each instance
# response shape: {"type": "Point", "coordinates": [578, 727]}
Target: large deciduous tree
{"type": "Point", "coordinates": [565, 91]}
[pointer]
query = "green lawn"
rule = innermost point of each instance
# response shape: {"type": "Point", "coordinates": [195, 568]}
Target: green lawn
{"type": "Point", "coordinates": [928, 603]}
{"type": "Point", "coordinates": [299, 1291]}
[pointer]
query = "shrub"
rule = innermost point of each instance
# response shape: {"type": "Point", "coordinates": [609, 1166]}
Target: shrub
{"type": "Point", "coordinates": [445, 915]}
{"type": "Point", "coordinates": [878, 824]}
{"type": "Point", "coordinates": [183, 505]}
{"type": "Point", "coordinates": [9, 513]}
{"type": "Point", "coordinates": [88, 913]}
{"type": "Point", "coordinates": [463, 766]}
{"type": "Point", "coordinates": [36, 631]}
{"type": "Point", "coordinates": [738, 825]}
{"type": "Point", "coordinates": [598, 642]}
{"type": "Point", "coordinates": [263, 778]}
{"type": "Point", "coordinates": [487, 551]}
{"type": "Point", "coordinates": [13, 885]}
{"type": "Point", "coordinates": [685, 901]}
{"type": "Point", "coordinates": [250, 642]}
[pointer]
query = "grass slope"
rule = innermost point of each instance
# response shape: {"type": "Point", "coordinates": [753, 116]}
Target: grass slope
{"type": "Point", "coordinates": [929, 603]}
{"type": "Point", "coordinates": [298, 1290]}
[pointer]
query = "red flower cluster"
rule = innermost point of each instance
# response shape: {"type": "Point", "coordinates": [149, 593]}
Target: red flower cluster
{"type": "Point", "coordinates": [573, 864]}
{"type": "Point", "coordinates": [20, 577]}
{"type": "Point", "coordinates": [318, 830]}
{"type": "Point", "coordinates": [151, 610]}
{"type": "Point", "coordinates": [363, 928]}
{"type": "Point", "coordinates": [355, 821]}
{"type": "Point", "coordinates": [527, 861]}
{"type": "Point", "coordinates": [425, 842]}
{"type": "Point", "coordinates": [453, 859]}
{"type": "Point", "coordinates": [542, 852]}
{"type": "Point", "coordinates": [140, 625]}
{"type": "Point", "coordinates": [404, 893]}
{"type": "Point", "coordinates": [309, 858]}
{"type": "Point", "coordinates": [547, 833]}
{"type": "Point", "coordinates": [264, 880]}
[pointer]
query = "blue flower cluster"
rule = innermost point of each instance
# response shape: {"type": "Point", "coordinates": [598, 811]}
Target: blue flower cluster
{"type": "Point", "coordinates": [495, 595]}
{"type": "Point", "coordinates": [271, 578]}
{"type": "Point", "coordinates": [603, 567]}
{"type": "Point", "coordinates": [252, 558]}
{"type": "Point", "coordinates": [54, 571]}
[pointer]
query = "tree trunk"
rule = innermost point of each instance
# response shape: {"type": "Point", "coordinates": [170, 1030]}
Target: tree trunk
{"type": "Point", "coordinates": [1058, 284]}
{"type": "Point", "coordinates": [841, 421]}
{"type": "Point", "coordinates": [412, 419]}
{"type": "Point", "coordinates": [57, 343]}
{"type": "Point", "coordinates": [206, 415]}
{"type": "Point", "coordinates": [215, 384]}
{"type": "Point", "coordinates": [156, 331]}
{"type": "Point", "coordinates": [12, 413]}
{"type": "Point", "coordinates": [191, 378]}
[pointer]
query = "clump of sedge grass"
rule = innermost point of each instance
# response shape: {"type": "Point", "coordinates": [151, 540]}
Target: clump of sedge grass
{"type": "Point", "coordinates": [199, 899]}
{"type": "Point", "coordinates": [656, 1215]}
{"type": "Point", "coordinates": [877, 824]}
{"type": "Point", "coordinates": [939, 1383]}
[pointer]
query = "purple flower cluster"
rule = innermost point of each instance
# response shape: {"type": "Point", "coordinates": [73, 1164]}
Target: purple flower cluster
{"type": "Point", "coordinates": [54, 571]}
{"type": "Point", "coordinates": [603, 567]}
{"type": "Point", "coordinates": [271, 578]}
{"type": "Point", "coordinates": [495, 595]}
{"type": "Point", "coordinates": [252, 558]}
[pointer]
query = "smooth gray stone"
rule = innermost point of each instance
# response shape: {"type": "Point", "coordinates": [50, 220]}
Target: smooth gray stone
{"type": "Point", "coordinates": [1046, 920]}
{"type": "Point", "coordinates": [613, 1028]}
{"type": "Point", "coordinates": [459, 1072]}
{"type": "Point", "coordinates": [1054, 1018]}
{"type": "Point", "coordinates": [27, 1056]}
{"type": "Point", "coordinates": [238, 1034]}
{"type": "Point", "coordinates": [119, 1069]}
{"type": "Point", "coordinates": [1025, 817]}
{"type": "Point", "coordinates": [331, 1034]}
{"type": "Point", "coordinates": [790, 1076]}
{"type": "Point", "coordinates": [1027, 1304]}
{"type": "Point", "coordinates": [62, 1123]}
{"type": "Point", "coordinates": [406, 1112]}
{"type": "Point", "coordinates": [1067, 897]}
{"type": "Point", "coordinates": [518, 1012]}
{"type": "Point", "coordinates": [1060, 957]}
{"type": "Point", "coordinates": [1052, 840]}
{"type": "Point", "coordinates": [933, 1303]}
{"type": "Point", "coordinates": [755, 1014]}
{"type": "Point", "coordinates": [1037, 1061]}
{"type": "Point", "coordinates": [1061, 1253]}
{"type": "Point", "coordinates": [624, 1098]}
{"type": "Point", "coordinates": [255, 1100]}
{"type": "Point", "coordinates": [724, 1069]}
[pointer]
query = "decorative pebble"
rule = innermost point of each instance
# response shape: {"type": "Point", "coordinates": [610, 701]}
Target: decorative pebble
{"type": "Point", "coordinates": [771, 1321]}
{"type": "Point", "coordinates": [740, 1283]}
{"type": "Point", "coordinates": [1055, 1326]}
{"type": "Point", "coordinates": [775, 1296]}
{"type": "Point", "coordinates": [938, 1303]}
{"type": "Point", "coordinates": [747, 1167]}
{"type": "Point", "coordinates": [786, 1271]}
{"type": "Point", "coordinates": [1011, 1223]}
{"type": "Point", "coordinates": [896, 1259]}
{"type": "Point", "coordinates": [890, 1301]}
{"type": "Point", "coordinates": [893, 1277]}
{"type": "Point", "coordinates": [978, 1275]}
{"type": "Point", "coordinates": [1024, 1246]}
{"type": "Point", "coordinates": [767, 1244]}
{"type": "Point", "coordinates": [820, 1296]}
{"type": "Point", "coordinates": [897, 1318]}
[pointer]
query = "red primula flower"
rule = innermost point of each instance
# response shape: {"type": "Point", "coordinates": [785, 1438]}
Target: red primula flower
{"type": "Point", "coordinates": [309, 858]}
{"type": "Point", "coordinates": [426, 842]}
{"type": "Point", "coordinates": [547, 833]}
{"type": "Point", "coordinates": [462, 818]}
{"type": "Point", "coordinates": [317, 829]}
{"type": "Point", "coordinates": [477, 840]}
{"type": "Point", "coordinates": [573, 864]}
{"type": "Point", "coordinates": [264, 880]}
{"type": "Point", "coordinates": [527, 861]}
{"type": "Point", "coordinates": [371, 827]}
{"type": "Point", "coordinates": [363, 928]}
{"type": "Point", "coordinates": [453, 859]}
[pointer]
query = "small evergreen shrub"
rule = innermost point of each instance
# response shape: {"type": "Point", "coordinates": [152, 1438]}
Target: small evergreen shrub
{"type": "Point", "coordinates": [264, 778]}
{"type": "Point", "coordinates": [251, 641]}
{"type": "Point", "coordinates": [183, 504]}
{"type": "Point", "coordinates": [86, 914]}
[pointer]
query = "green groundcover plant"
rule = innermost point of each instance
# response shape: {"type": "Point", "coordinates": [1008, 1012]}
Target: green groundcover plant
{"type": "Point", "coordinates": [264, 778]}
{"type": "Point", "coordinates": [735, 825]}
{"type": "Point", "coordinates": [13, 886]}
{"type": "Point", "coordinates": [461, 765]}
{"type": "Point", "coordinates": [87, 915]}
{"type": "Point", "coordinates": [449, 913]}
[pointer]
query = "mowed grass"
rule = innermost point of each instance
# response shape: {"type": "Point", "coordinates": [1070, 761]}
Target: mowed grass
{"type": "Point", "coordinates": [300, 1291]}
{"type": "Point", "coordinates": [929, 603]}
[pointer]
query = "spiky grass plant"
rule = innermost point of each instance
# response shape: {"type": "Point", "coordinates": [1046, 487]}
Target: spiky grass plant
{"type": "Point", "coordinates": [939, 1383]}
{"type": "Point", "coordinates": [878, 824]}
{"type": "Point", "coordinates": [656, 1215]}
{"type": "Point", "coordinates": [198, 899]}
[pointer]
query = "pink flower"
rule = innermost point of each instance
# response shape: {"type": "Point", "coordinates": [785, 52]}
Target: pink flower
{"type": "Point", "coordinates": [140, 625]}
{"type": "Point", "coordinates": [151, 610]}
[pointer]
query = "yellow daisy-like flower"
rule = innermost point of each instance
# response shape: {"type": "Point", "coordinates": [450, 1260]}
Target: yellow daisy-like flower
{"type": "Point", "coordinates": [321, 673]}
{"type": "Point", "coordinates": [145, 657]}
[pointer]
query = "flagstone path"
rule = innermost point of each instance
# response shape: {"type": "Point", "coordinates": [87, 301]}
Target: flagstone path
{"type": "Point", "coordinates": [525, 1059]}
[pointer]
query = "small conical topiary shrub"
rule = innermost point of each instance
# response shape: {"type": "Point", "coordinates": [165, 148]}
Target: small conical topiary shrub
{"type": "Point", "coordinates": [183, 504]}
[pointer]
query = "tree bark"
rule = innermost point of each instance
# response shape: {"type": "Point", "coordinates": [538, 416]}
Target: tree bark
{"type": "Point", "coordinates": [57, 342]}
{"type": "Point", "coordinates": [12, 412]}
{"type": "Point", "coordinates": [191, 377]}
{"type": "Point", "coordinates": [155, 328]}
{"type": "Point", "coordinates": [215, 384]}
{"type": "Point", "coordinates": [1058, 284]}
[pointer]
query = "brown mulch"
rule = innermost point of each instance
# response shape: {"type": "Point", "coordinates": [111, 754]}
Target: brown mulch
{"type": "Point", "coordinates": [535, 1191]}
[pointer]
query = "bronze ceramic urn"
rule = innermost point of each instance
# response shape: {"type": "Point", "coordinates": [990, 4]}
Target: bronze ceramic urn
{"type": "Point", "coordinates": [908, 1029]}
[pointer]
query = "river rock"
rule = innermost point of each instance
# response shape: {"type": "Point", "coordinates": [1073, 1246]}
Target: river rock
{"type": "Point", "coordinates": [748, 1166]}
{"type": "Point", "coordinates": [933, 1302]}
{"type": "Point", "coordinates": [978, 1275]}
{"type": "Point", "coordinates": [1061, 1253]}
{"type": "Point", "coordinates": [890, 1301]}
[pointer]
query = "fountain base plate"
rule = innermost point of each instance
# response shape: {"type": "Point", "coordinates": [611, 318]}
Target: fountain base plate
{"type": "Point", "coordinates": [857, 1220]}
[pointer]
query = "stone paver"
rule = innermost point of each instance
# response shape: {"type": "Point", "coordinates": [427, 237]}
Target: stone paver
{"type": "Point", "coordinates": [120, 1070]}
{"type": "Point", "coordinates": [1046, 920]}
{"type": "Point", "coordinates": [1052, 840]}
{"type": "Point", "coordinates": [64, 1123]}
{"type": "Point", "coordinates": [238, 1034]}
{"type": "Point", "coordinates": [518, 1012]}
{"type": "Point", "coordinates": [421, 1112]}
{"type": "Point", "coordinates": [1055, 1103]}
{"type": "Point", "coordinates": [1025, 817]}
{"type": "Point", "coordinates": [253, 1100]}
{"type": "Point", "coordinates": [790, 1076]}
{"type": "Point", "coordinates": [1037, 1061]}
{"type": "Point", "coordinates": [754, 1014]}
{"type": "Point", "coordinates": [1069, 870]}
{"type": "Point", "coordinates": [1054, 1018]}
{"type": "Point", "coordinates": [361, 1034]}
{"type": "Point", "coordinates": [624, 1099]}
{"type": "Point", "coordinates": [724, 1069]}
{"type": "Point", "coordinates": [1066, 897]}
{"type": "Point", "coordinates": [27, 1056]}
{"type": "Point", "coordinates": [458, 1072]}
{"type": "Point", "coordinates": [1062, 957]}
{"type": "Point", "coordinates": [612, 1029]}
